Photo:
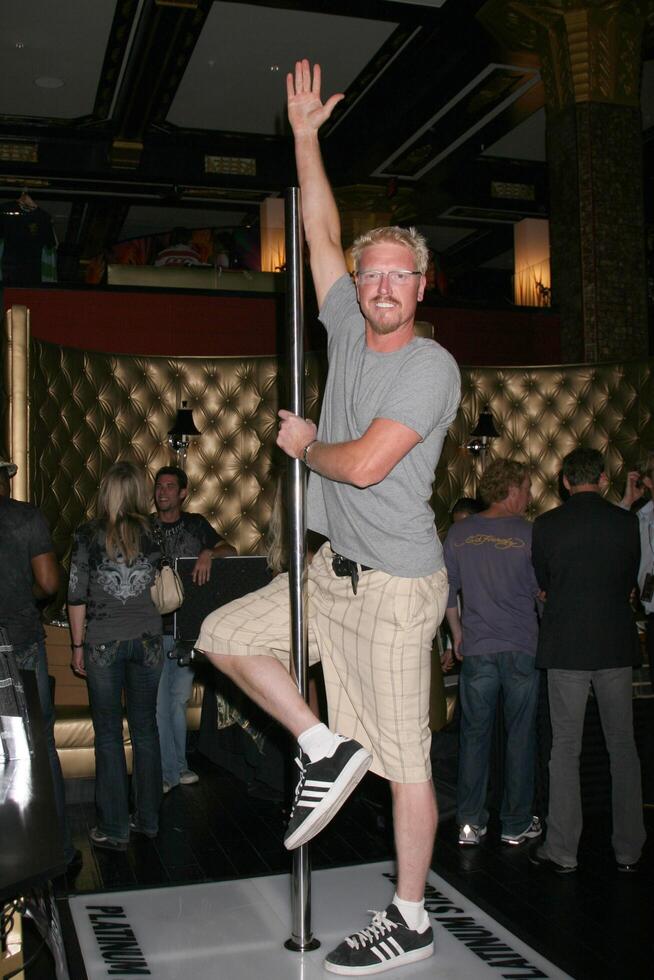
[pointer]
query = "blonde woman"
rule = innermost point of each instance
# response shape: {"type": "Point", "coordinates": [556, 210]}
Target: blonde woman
{"type": "Point", "coordinates": [117, 645]}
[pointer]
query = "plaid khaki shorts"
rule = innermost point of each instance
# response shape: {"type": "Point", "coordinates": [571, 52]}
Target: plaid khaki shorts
{"type": "Point", "coordinates": [375, 651]}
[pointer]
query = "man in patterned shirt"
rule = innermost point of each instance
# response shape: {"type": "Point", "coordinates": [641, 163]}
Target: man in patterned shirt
{"type": "Point", "coordinates": [182, 535]}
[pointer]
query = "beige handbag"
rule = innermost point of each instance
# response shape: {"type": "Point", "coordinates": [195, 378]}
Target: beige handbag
{"type": "Point", "coordinates": [167, 591]}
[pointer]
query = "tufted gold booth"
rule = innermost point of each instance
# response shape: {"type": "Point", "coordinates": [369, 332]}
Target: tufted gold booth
{"type": "Point", "coordinates": [72, 413]}
{"type": "Point", "coordinates": [87, 410]}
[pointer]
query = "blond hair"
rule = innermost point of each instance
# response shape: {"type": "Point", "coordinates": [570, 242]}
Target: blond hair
{"type": "Point", "coordinates": [276, 537]}
{"type": "Point", "coordinates": [123, 510]}
{"type": "Point", "coordinates": [409, 237]}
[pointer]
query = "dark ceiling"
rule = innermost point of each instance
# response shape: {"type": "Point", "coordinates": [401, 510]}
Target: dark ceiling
{"type": "Point", "coordinates": [128, 117]}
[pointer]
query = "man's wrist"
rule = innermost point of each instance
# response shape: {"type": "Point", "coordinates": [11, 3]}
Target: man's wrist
{"type": "Point", "coordinates": [306, 135]}
{"type": "Point", "coordinates": [305, 453]}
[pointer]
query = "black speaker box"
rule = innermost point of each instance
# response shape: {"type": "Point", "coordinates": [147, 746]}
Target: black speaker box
{"type": "Point", "coordinates": [230, 579]}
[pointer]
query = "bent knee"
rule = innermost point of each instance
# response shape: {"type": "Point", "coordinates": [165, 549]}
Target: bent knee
{"type": "Point", "coordinates": [224, 662]}
{"type": "Point", "coordinates": [234, 665]}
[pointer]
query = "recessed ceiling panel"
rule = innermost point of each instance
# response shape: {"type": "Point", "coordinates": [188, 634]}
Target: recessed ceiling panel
{"type": "Point", "coordinates": [51, 54]}
{"type": "Point", "coordinates": [481, 100]}
{"type": "Point", "coordinates": [442, 237]}
{"type": "Point", "coordinates": [236, 79]}
{"type": "Point", "coordinates": [525, 142]}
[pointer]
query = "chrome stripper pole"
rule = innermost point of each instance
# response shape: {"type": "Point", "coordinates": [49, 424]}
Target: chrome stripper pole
{"type": "Point", "coordinates": [301, 938]}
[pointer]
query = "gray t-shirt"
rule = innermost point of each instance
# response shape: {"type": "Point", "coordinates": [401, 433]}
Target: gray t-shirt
{"type": "Point", "coordinates": [24, 535]}
{"type": "Point", "coordinates": [388, 526]}
{"type": "Point", "coordinates": [489, 560]}
{"type": "Point", "coordinates": [116, 595]}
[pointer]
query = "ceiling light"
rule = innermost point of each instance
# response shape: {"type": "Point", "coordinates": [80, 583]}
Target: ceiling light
{"type": "Point", "coordinates": [47, 81]}
{"type": "Point", "coordinates": [19, 45]}
{"type": "Point", "coordinates": [242, 166]}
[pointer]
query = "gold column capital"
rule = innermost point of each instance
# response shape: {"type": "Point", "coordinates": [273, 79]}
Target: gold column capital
{"type": "Point", "coordinates": [590, 50]}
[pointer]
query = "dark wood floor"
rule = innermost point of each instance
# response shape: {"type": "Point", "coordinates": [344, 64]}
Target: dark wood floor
{"type": "Point", "coordinates": [596, 924]}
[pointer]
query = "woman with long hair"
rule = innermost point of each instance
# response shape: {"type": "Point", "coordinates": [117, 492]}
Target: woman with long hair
{"type": "Point", "coordinates": [117, 645]}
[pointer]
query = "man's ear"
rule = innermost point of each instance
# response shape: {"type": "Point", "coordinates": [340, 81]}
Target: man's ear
{"type": "Point", "coordinates": [183, 494]}
{"type": "Point", "coordinates": [603, 481]}
{"type": "Point", "coordinates": [566, 484]}
{"type": "Point", "coordinates": [421, 288]}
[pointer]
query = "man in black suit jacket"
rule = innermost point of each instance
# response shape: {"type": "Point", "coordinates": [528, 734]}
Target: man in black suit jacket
{"type": "Point", "coordinates": [586, 555]}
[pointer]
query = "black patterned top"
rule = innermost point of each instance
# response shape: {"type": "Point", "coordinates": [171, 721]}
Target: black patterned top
{"type": "Point", "coordinates": [117, 595]}
{"type": "Point", "coordinates": [184, 538]}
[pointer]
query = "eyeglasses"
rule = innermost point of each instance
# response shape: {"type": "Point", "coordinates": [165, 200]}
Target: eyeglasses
{"type": "Point", "coordinates": [397, 277]}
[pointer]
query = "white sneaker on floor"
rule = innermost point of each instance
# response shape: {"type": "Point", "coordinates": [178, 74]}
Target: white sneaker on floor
{"type": "Point", "coordinates": [166, 787]}
{"type": "Point", "coordinates": [471, 834]}
{"type": "Point", "coordinates": [187, 777]}
{"type": "Point", "coordinates": [533, 830]}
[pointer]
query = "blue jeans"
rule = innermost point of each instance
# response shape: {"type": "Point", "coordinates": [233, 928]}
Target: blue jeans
{"type": "Point", "coordinates": [568, 693]}
{"type": "Point", "coordinates": [480, 681]}
{"type": "Point", "coordinates": [174, 691]}
{"type": "Point", "coordinates": [33, 657]}
{"type": "Point", "coordinates": [133, 667]}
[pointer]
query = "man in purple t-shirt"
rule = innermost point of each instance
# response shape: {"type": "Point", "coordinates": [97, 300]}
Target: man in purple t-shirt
{"type": "Point", "coordinates": [488, 560]}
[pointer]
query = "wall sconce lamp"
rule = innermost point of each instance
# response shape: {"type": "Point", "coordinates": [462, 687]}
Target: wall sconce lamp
{"type": "Point", "coordinates": [179, 436]}
{"type": "Point", "coordinates": [481, 435]}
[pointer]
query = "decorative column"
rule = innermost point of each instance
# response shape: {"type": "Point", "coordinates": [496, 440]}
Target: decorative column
{"type": "Point", "coordinates": [590, 53]}
{"type": "Point", "coordinates": [16, 377]}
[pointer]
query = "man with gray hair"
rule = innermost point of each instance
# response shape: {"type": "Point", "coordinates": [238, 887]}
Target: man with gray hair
{"type": "Point", "coordinates": [377, 590]}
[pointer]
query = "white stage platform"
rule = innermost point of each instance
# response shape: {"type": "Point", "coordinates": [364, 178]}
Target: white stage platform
{"type": "Point", "coordinates": [235, 930]}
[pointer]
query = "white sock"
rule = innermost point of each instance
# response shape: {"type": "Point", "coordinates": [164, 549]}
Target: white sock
{"type": "Point", "coordinates": [318, 742]}
{"type": "Point", "coordinates": [413, 913]}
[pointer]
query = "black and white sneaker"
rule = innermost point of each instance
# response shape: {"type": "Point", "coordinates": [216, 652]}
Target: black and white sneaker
{"type": "Point", "coordinates": [386, 943]}
{"type": "Point", "coordinates": [323, 788]}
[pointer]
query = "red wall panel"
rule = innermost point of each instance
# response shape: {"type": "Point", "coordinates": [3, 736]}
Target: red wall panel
{"type": "Point", "coordinates": [178, 324]}
{"type": "Point", "coordinates": [131, 322]}
{"type": "Point", "coordinates": [505, 337]}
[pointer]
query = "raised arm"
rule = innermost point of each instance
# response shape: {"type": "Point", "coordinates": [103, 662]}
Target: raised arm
{"type": "Point", "coordinates": [322, 225]}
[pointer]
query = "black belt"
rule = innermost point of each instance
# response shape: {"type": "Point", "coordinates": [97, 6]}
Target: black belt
{"type": "Point", "coordinates": [346, 568]}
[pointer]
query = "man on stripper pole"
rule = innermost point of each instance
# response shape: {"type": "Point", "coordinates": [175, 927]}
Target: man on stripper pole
{"type": "Point", "coordinates": [377, 590]}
